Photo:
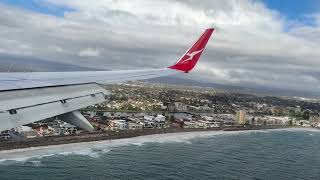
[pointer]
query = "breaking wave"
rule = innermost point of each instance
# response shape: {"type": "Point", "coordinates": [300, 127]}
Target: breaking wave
{"type": "Point", "coordinates": [95, 148]}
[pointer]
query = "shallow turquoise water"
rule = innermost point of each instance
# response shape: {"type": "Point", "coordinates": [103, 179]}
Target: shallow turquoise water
{"type": "Point", "coordinates": [269, 154]}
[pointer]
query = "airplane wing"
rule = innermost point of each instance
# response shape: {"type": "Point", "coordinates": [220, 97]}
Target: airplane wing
{"type": "Point", "coordinates": [27, 93]}
{"type": "Point", "coordinates": [15, 81]}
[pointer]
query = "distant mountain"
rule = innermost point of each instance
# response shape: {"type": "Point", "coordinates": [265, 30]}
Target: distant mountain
{"type": "Point", "coordinates": [11, 63]}
{"type": "Point", "coordinates": [191, 82]}
{"type": "Point", "coordinates": [267, 91]}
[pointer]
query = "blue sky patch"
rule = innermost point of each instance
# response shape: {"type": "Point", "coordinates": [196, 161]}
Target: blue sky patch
{"type": "Point", "coordinates": [38, 6]}
{"type": "Point", "coordinates": [295, 10]}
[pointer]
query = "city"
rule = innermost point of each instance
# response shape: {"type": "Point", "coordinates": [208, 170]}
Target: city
{"type": "Point", "coordinates": [147, 106]}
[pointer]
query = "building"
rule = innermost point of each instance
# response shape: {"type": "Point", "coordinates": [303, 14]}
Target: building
{"type": "Point", "coordinates": [215, 124]}
{"type": "Point", "coordinates": [304, 123]}
{"type": "Point", "coordinates": [148, 124]}
{"type": "Point", "coordinates": [26, 131]}
{"type": "Point", "coordinates": [201, 124]}
{"type": "Point", "coordinates": [5, 135]}
{"type": "Point", "coordinates": [183, 117]}
{"type": "Point", "coordinates": [148, 118]}
{"type": "Point", "coordinates": [241, 117]}
{"type": "Point", "coordinates": [118, 125]}
{"type": "Point", "coordinates": [180, 107]}
{"type": "Point", "coordinates": [63, 128]}
{"type": "Point", "coordinates": [189, 124]}
{"type": "Point", "coordinates": [171, 107]}
{"type": "Point", "coordinates": [207, 118]}
{"type": "Point", "coordinates": [160, 125]}
{"type": "Point", "coordinates": [277, 110]}
{"type": "Point", "coordinates": [43, 130]}
{"type": "Point", "coordinates": [297, 110]}
{"type": "Point", "coordinates": [134, 126]}
{"type": "Point", "coordinates": [67, 129]}
{"type": "Point", "coordinates": [314, 119]}
{"type": "Point", "coordinates": [160, 118]}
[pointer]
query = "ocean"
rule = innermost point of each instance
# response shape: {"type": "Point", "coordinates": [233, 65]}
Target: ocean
{"type": "Point", "coordinates": [256, 154]}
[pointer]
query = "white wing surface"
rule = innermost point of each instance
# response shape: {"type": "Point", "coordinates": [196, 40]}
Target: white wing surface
{"type": "Point", "coordinates": [16, 81]}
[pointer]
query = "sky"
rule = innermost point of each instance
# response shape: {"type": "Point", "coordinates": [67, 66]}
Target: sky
{"type": "Point", "coordinates": [257, 43]}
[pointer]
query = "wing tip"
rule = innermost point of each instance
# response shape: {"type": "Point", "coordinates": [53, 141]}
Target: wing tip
{"type": "Point", "coordinates": [190, 58]}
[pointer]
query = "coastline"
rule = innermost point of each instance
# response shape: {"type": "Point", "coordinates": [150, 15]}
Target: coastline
{"type": "Point", "coordinates": [100, 136]}
{"type": "Point", "coordinates": [109, 155]}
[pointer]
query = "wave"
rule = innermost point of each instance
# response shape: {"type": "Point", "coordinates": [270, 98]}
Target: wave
{"type": "Point", "coordinates": [95, 148]}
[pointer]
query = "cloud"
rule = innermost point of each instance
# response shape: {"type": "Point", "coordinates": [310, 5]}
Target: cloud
{"type": "Point", "coordinates": [252, 45]}
{"type": "Point", "coordinates": [89, 52]}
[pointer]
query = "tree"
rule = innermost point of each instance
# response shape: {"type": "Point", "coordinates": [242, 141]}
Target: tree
{"type": "Point", "coordinates": [172, 118]}
{"type": "Point", "coordinates": [306, 114]}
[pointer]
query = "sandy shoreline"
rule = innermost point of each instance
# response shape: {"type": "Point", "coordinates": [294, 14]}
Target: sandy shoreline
{"type": "Point", "coordinates": [99, 136]}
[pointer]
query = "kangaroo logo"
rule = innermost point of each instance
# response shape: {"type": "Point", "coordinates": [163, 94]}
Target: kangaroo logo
{"type": "Point", "coordinates": [191, 55]}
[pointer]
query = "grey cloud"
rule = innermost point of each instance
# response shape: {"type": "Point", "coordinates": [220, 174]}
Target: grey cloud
{"type": "Point", "coordinates": [249, 47]}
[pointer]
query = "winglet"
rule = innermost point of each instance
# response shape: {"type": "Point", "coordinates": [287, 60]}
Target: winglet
{"type": "Point", "coordinates": [190, 58]}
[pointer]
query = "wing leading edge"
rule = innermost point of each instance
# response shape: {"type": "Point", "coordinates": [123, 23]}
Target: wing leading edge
{"type": "Point", "coordinates": [27, 80]}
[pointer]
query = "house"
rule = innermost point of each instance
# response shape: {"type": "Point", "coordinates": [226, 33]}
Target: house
{"type": "Point", "coordinates": [215, 125]}
{"type": "Point", "coordinates": [63, 128]}
{"type": "Point", "coordinates": [201, 124]}
{"type": "Point", "coordinates": [304, 123]}
{"type": "Point", "coordinates": [190, 124]}
{"type": "Point", "coordinates": [177, 124]}
{"type": "Point", "coordinates": [43, 130]}
{"type": "Point", "coordinates": [148, 124]}
{"type": "Point", "coordinates": [96, 118]}
{"type": "Point", "coordinates": [148, 118]}
{"type": "Point", "coordinates": [160, 125]}
{"type": "Point", "coordinates": [207, 124]}
{"type": "Point", "coordinates": [207, 118]}
{"type": "Point", "coordinates": [67, 129]}
{"type": "Point", "coordinates": [183, 117]}
{"type": "Point", "coordinates": [118, 125]}
{"type": "Point", "coordinates": [134, 126]}
{"type": "Point", "coordinates": [160, 118]}
{"type": "Point", "coordinates": [317, 125]}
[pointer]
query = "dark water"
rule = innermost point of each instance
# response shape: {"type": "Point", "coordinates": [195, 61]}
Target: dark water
{"type": "Point", "coordinates": [271, 154]}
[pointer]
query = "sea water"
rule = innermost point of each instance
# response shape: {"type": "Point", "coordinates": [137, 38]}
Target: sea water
{"type": "Point", "coordinates": [257, 154]}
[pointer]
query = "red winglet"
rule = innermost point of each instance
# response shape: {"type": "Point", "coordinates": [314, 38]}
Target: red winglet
{"type": "Point", "coordinates": [189, 59]}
